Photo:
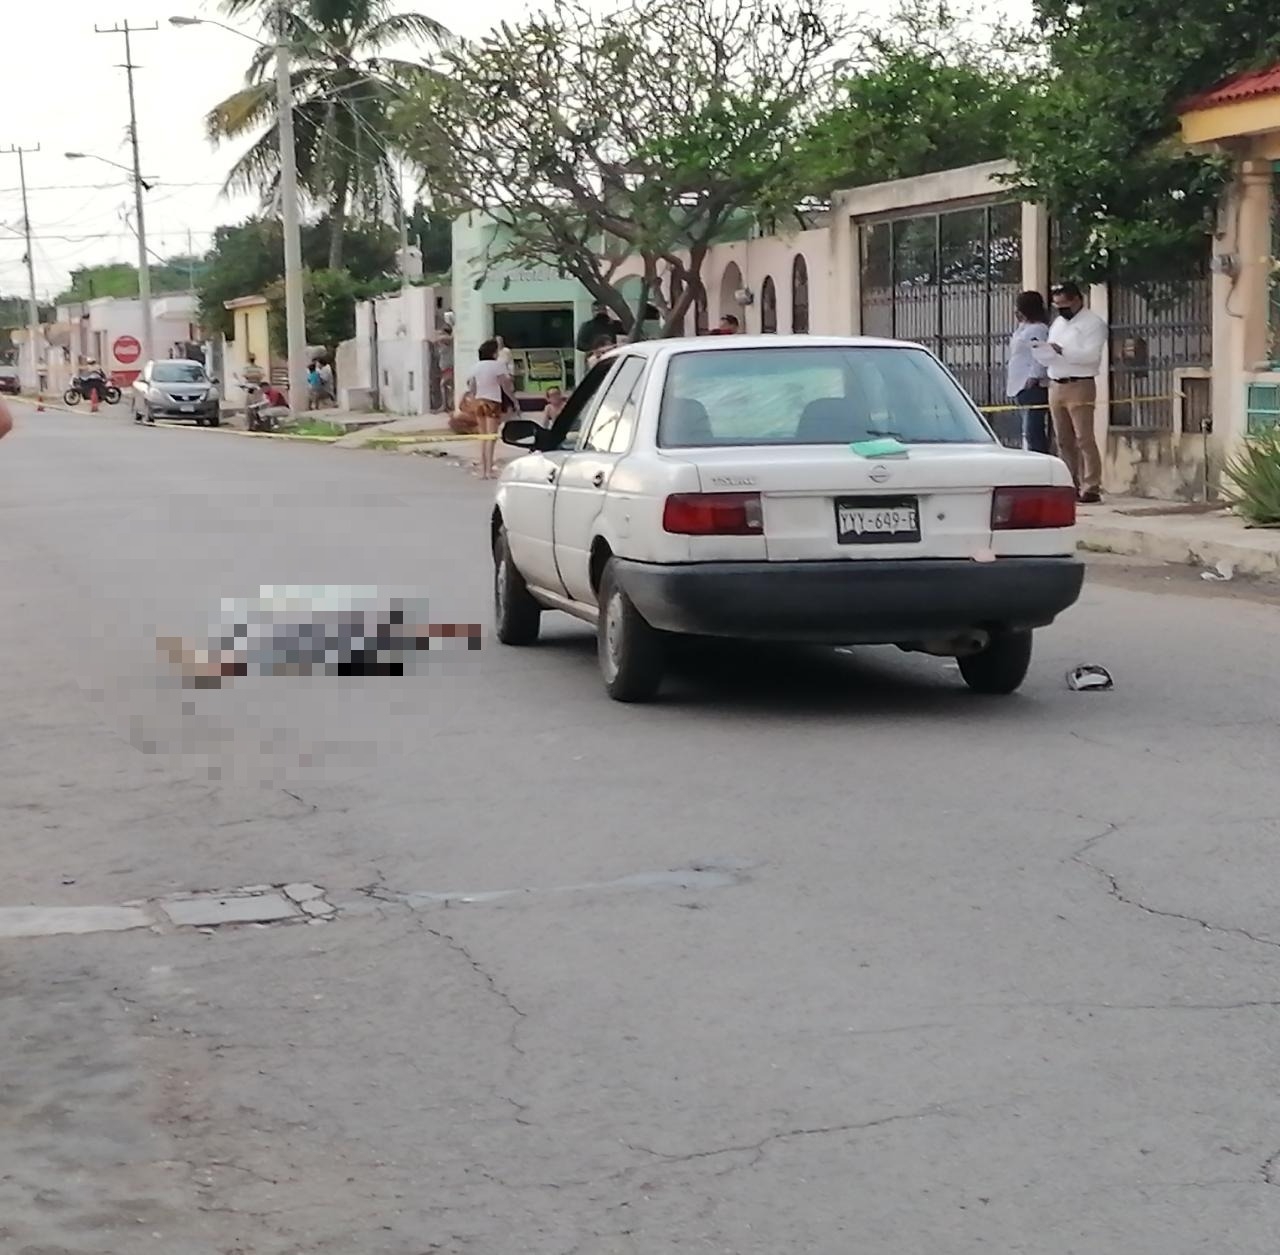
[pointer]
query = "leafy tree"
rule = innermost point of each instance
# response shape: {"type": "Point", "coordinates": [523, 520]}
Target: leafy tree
{"type": "Point", "coordinates": [587, 138]}
{"type": "Point", "coordinates": [121, 279]}
{"type": "Point", "coordinates": [1100, 147]}
{"type": "Point", "coordinates": [249, 258]}
{"type": "Point", "coordinates": [923, 94]}
{"type": "Point", "coordinates": [343, 88]}
{"type": "Point", "coordinates": [330, 298]}
{"type": "Point", "coordinates": [432, 232]}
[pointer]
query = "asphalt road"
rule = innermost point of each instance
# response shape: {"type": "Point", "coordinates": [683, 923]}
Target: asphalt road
{"type": "Point", "coordinates": [933, 974]}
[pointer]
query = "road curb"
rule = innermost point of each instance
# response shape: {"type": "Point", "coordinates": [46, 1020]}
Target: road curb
{"type": "Point", "coordinates": [1254, 552]}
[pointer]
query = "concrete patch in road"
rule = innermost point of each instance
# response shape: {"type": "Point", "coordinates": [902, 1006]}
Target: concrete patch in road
{"type": "Point", "coordinates": [213, 910]}
{"type": "Point", "coordinates": [54, 921]}
{"type": "Point", "coordinates": [254, 904]}
{"type": "Point", "coordinates": [700, 876]}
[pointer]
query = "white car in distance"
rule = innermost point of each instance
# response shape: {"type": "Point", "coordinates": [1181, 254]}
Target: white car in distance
{"type": "Point", "coordinates": [781, 488]}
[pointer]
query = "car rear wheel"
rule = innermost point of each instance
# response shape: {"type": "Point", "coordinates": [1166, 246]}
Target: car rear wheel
{"type": "Point", "coordinates": [1001, 667]}
{"type": "Point", "coordinates": [215, 420]}
{"type": "Point", "coordinates": [632, 654]}
{"type": "Point", "coordinates": [517, 617]}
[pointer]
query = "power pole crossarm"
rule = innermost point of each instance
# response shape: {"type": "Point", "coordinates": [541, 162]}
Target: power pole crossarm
{"type": "Point", "coordinates": [139, 185]}
{"type": "Point", "coordinates": [33, 308]}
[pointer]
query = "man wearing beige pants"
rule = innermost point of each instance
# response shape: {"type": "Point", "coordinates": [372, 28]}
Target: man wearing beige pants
{"type": "Point", "coordinates": [1076, 343]}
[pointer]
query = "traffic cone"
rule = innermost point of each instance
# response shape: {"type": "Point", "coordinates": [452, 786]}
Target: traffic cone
{"type": "Point", "coordinates": [39, 402]}
{"type": "Point", "coordinates": [93, 400]}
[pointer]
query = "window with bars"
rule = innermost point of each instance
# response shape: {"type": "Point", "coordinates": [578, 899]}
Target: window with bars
{"type": "Point", "coordinates": [949, 281]}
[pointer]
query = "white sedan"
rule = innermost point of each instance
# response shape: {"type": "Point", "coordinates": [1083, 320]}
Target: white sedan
{"type": "Point", "coordinates": [781, 488]}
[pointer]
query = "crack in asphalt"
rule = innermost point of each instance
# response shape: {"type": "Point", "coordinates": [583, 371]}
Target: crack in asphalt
{"type": "Point", "coordinates": [1115, 889]}
{"type": "Point", "coordinates": [759, 1148]}
{"type": "Point", "coordinates": [459, 947]}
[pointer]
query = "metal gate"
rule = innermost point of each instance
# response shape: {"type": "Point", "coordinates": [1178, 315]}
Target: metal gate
{"type": "Point", "coordinates": [949, 281]}
{"type": "Point", "coordinates": [1158, 332]}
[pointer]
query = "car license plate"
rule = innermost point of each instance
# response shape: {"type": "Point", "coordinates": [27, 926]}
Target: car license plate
{"type": "Point", "coordinates": [877, 520]}
{"type": "Point", "coordinates": [188, 409]}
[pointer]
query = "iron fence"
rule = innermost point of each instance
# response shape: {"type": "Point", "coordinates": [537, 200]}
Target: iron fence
{"type": "Point", "coordinates": [949, 281]}
{"type": "Point", "coordinates": [1158, 331]}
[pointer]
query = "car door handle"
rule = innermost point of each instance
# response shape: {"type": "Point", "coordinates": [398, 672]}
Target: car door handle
{"type": "Point", "coordinates": [551, 475]}
{"type": "Point", "coordinates": [597, 480]}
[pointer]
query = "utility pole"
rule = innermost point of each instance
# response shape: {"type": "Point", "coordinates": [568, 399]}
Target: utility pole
{"type": "Point", "coordinates": [144, 261]}
{"type": "Point", "coordinates": [33, 309]}
{"type": "Point", "coordinates": [290, 212]}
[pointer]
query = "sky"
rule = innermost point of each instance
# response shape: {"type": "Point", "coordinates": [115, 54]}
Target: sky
{"type": "Point", "coordinates": [61, 89]}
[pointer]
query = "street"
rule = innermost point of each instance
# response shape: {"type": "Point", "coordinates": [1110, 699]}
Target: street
{"type": "Point", "coordinates": [819, 954]}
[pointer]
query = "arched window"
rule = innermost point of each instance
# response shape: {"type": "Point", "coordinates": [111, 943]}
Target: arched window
{"type": "Point", "coordinates": [799, 296]}
{"type": "Point", "coordinates": [768, 307]}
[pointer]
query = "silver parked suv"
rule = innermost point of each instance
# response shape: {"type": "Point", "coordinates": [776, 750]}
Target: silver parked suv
{"type": "Point", "coordinates": [176, 389]}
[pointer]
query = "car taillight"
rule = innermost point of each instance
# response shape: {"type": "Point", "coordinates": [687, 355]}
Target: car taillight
{"type": "Point", "coordinates": [713, 514]}
{"type": "Point", "coordinates": [1024, 509]}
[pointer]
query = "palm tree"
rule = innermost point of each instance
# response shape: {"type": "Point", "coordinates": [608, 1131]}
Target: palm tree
{"type": "Point", "coordinates": [343, 91]}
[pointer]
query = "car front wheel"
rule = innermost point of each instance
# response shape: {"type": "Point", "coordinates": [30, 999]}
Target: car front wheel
{"type": "Point", "coordinates": [517, 617]}
{"type": "Point", "coordinates": [1001, 667]}
{"type": "Point", "coordinates": [632, 654]}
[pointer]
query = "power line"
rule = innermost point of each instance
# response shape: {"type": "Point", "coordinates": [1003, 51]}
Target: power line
{"type": "Point", "coordinates": [118, 235]}
{"type": "Point", "coordinates": [102, 187]}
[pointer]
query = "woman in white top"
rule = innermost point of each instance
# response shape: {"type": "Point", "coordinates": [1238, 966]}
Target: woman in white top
{"type": "Point", "coordinates": [1027, 382]}
{"type": "Point", "coordinates": [489, 391]}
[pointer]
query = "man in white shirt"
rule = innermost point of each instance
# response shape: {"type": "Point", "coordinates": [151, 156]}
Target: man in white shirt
{"type": "Point", "coordinates": [1077, 339]}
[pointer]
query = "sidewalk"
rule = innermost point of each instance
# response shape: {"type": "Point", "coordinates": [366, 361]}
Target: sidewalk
{"type": "Point", "coordinates": [1168, 532]}
{"type": "Point", "coordinates": [427, 435]}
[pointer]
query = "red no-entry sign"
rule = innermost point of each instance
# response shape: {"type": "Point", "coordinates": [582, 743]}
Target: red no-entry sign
{"type": "Point", "coordinates": [126, 349]}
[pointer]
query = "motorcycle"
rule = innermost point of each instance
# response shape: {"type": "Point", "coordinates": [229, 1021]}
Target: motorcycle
{"type": "Point", "coordinates": [82, 386]}
{"type": "Point", "coordinates": [260, 414]}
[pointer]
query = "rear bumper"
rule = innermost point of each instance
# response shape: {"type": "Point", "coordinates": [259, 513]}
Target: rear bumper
{"type": "Point", "coordinates": [852, 602]}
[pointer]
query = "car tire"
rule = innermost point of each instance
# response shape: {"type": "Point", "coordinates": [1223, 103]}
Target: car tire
{"type": "Point", "coordinates": [632, 654]}
{"type": "Point", "coordinates": [1000, 668]}
{"type": "Point", "coordinates": [215, 420]}
{"type": "Point", "coordinates": [517, 616]}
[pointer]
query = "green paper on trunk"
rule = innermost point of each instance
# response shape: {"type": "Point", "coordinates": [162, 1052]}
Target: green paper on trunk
{"type": "Point", "coordinates": [887, 447]}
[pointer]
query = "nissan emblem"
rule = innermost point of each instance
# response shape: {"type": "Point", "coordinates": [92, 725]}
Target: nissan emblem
{"type": "Point", "coordinates": [879, 474]}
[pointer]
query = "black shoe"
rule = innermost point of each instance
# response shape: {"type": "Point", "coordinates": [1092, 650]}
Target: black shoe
{"type": "Point", "coordinates": [1089, 498]}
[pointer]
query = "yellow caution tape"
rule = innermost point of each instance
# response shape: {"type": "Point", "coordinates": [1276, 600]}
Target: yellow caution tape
{"type": "Point", "coordinates": [1017, 409]}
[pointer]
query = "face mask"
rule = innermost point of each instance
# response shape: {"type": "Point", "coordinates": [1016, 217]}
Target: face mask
{"type": "Point", "coordinates": [1065, 312]}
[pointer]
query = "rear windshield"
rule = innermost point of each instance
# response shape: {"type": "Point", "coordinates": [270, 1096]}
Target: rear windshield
{"type": "Point", "coordinates": [813, 396]}
{"type": "Point", "coordinates": [178, 372]}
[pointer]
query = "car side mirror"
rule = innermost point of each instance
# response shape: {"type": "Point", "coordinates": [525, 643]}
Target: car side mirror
{"type": "Point", "coordinates": [522, 433]}
{"type": "Point", "coordinates": [213, 379]}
